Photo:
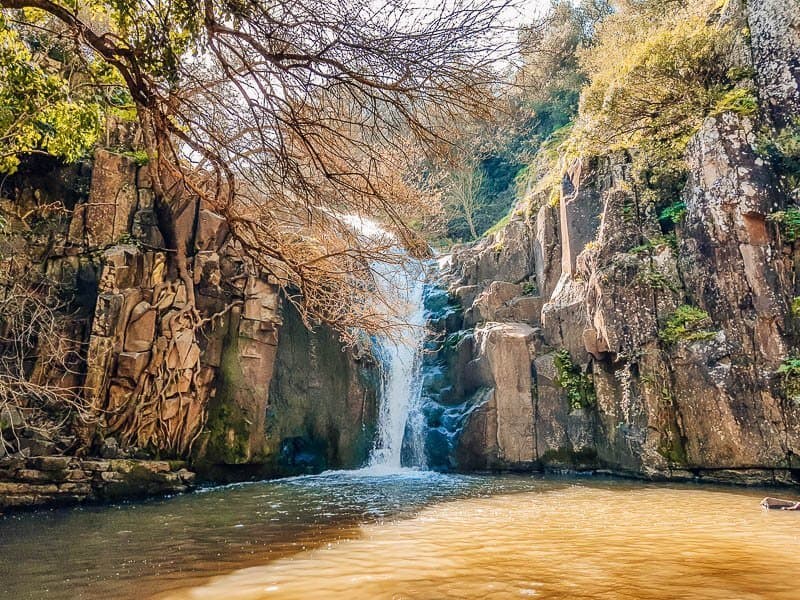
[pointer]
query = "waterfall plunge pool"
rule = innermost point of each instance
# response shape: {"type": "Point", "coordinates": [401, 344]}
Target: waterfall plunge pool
{"type": "Point", "coordinates": [410, 534]}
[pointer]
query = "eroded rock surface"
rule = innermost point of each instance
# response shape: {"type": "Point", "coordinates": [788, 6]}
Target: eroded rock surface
{"type": "Point", "coordinates": [651, 348]}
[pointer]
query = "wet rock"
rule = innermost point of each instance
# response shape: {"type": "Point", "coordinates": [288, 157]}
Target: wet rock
{"type": "Point", "coordinates": [110, 448]}
{"type": "Point", "coordinates": [505, 412]}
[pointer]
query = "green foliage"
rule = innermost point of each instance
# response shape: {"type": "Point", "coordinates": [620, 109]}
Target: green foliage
{"type": "Point", "coordinates": [539, 114]}
{"type": "Point", "coordinates": [40, 107]}
{"type": "Point", "coordinates": [782, 148]}
{"type": "Point", "coordinates": [498, 226]}
{"type": "Point", "coordinates": [673, 213]}
{"type": "Point", "coordinates": [739, 100]}
{"type": "Point", "coordinates": [140, 157]}
{"type": "Point", "coordinates": [686, 324]}
{"type": "Point", "coordinates": [795, 307]}
{"type": "Point", "coordinates": [655, 73]}
{"type": "Point", "coordinates": [654, 278]}
{"type": "Point", "coordinates": [655, 243]}
{"type": "Point", "coordinates": [790, 372]}
{"type": "Point", "coordinates": [578, 385]}
{"type": "Point", "coordinates": [789, 222]}
{"type": "Point", "coordinates": [529, 288]}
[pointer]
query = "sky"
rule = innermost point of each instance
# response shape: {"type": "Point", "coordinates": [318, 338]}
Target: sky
{"type": "Point", "coordinates": [527, 10]}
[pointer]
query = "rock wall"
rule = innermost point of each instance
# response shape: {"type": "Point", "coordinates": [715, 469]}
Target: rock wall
{"type": "Point", "coordinates": [215, 369]}
{"type": "Point", "coordinates": [596, 336]}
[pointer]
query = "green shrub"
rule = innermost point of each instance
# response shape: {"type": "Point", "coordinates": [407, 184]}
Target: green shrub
{"type": "Point", "coordinates": [782, 148]}
{"type": "Point", "coordinates": [656, 73]}
{"type": "Point", "coordinates": [686, 324]}
{"type": "Point", "coordinates": [795, 307]}
{"type": "Point", "coordinates": [140, 157]}
{"type": "Point", "coordinates": [789, 222]}
{"type": "Point", "coordinates": [655, 243]}
{"type": "Point", "coordinates": [578, 385]}
{"type": "Point", "coordinates": [738, 100]}
{"type": "Point", "coordinates": [652, 277]}
{"type": "Point", "coordinates": [673, 213]}
{"type": "Point", "coordinates": [790, 370]}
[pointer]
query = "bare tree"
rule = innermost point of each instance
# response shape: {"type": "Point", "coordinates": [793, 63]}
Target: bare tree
{"type": "Point", "coordinates": [464, 193]}
{"type": "Point", "coordinates": [39, 357]}
{"type": "Point", "coordinates": [283, 115]}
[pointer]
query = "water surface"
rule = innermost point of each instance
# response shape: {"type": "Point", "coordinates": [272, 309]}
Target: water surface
{"type": "Point", "coordinates": [411, 535]}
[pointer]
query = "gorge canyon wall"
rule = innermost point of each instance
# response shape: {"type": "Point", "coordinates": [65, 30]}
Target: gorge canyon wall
{"type": "Point", "coordinates": [240, 390]}
{"type": "Point", "coordinates": [592, 335]}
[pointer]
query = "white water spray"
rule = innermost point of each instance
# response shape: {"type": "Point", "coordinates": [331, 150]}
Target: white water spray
{"type": "Point", "coordinates": [400, 422]}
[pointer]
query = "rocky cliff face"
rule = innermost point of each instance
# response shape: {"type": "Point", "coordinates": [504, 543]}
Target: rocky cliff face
{"type": "Point", "coordinates": [248, 387]}
{"type": "Point", "coordinates": [592, 335]}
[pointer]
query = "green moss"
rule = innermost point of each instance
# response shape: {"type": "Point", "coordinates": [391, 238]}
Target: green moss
{"type": "Point", "coordinates": [139, 157]}
{"type": "Point", "coordinates": [578, 385]}
{"type": "Point", "coordinates": [652, 277]}
{"type": "Point", "coordinates": [529, 288]}
{"type": "Point", "coordinates": [782, 149]}
{"type": "Point", "coordinates": [226, 426]}
{"type": "Point", "coordinates": [454, 339]}
{"type": "Point", "coordinates": [795, 307]}
{"type": "Point", "coordinates": [686, 324]}
{"type": "Point", "coordinates": [671, 443]}
{"type": "Point", "coordinates": [655, 243]}
{"type": "Point", "coordinates": [672, 450]}
{"type": "Point", "coordinates": [499, 225]}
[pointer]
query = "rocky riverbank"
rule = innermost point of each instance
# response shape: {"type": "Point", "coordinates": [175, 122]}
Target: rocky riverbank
{"type": "Point", "coordinates": [59, 480]}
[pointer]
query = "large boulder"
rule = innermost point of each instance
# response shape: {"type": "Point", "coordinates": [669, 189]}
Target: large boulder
{"type": "Point", "coordinates": [498, 433]}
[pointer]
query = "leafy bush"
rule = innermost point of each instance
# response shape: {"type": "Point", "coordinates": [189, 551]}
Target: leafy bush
{"type": "Point", "coordinates": [789, 223]}
{"type": "Point", "coordinates": [795, 307]}
{"type": "Point", "coordinates": [655, 243]}
{"type": "Point", "coordinates": [673, 213]}
{"type": "Point", "coordinates": [578, 385]}
{"type": "Point", "coordinates": [686, 324]}
{"type": "Point", "coordinates": [790, 370]}
{"type": "Point", "coordinates": [657, 71]}
{"type": "Point", "coordinates": [739, 100]}
{"type": "Point", "coordinates": [43, 106]}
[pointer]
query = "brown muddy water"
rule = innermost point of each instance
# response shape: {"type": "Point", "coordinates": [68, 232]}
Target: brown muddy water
{"type": "Point", "coordinates": [412, 535]}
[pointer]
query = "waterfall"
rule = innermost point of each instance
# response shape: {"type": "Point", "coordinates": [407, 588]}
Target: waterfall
{"type": "Point", "coordinates": [400, 421]}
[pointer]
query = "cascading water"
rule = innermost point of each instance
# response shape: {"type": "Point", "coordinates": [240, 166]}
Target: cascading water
{"type": "Point", "coordinates": [400, 422]}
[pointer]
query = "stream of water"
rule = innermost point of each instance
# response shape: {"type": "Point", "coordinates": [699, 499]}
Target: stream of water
{"type": "Point", "coordinates": [415, 535]}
